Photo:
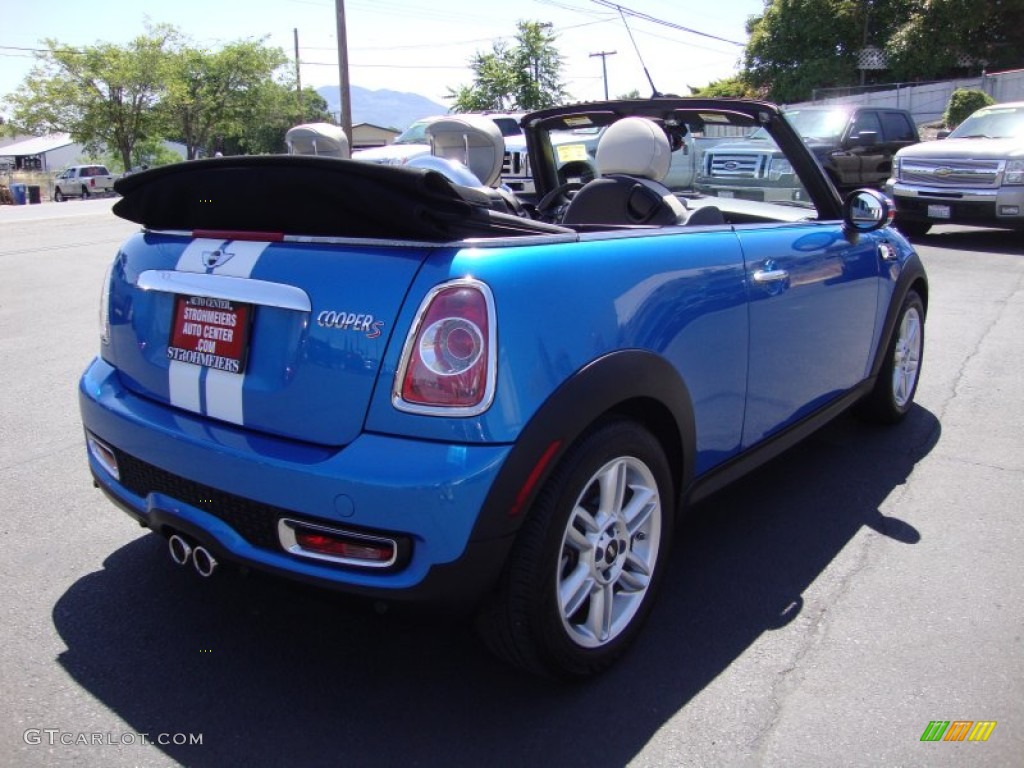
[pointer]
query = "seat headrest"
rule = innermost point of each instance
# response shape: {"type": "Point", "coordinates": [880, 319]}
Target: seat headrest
{"type": "Point", "coordinates": [473, 140]}
{"type": "Point", "coordinates": [634, 146]}
{"type": "Point", "coordinates": [321, 139]}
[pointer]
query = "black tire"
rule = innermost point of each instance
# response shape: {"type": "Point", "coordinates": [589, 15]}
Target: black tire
{"type": "Point", "coordinates": [570, 572]}
{"type": "Point", "coordinates": [893, 393]}
{"type": "Point", "coordinates": [58, 196]}
{"type": "Point", "coordinates": [85, 193]}
{"type": "Point", "coordinates": [912, 228]}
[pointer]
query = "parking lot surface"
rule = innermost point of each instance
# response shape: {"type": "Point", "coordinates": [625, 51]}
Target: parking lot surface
{"type": "Point", "coordinates": [823, 611]}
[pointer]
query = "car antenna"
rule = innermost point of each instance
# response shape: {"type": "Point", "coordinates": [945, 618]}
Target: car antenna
{"type": "Point", "coordinates": [654, 91]}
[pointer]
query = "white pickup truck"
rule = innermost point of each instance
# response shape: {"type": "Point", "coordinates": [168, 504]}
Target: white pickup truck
{"type": "Point", "coordinates": [83, 181]}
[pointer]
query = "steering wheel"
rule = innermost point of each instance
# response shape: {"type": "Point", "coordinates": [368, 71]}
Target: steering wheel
{"type": "Point", "coordinates": [549, 208]}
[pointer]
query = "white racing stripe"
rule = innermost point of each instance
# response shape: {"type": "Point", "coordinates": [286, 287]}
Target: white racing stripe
{"type": "Point", "coordinates": [224, 395]}
{"type": "Point", "coordinates": [183, 385]}
{"type": "Point", "coordinates": [223, 390]}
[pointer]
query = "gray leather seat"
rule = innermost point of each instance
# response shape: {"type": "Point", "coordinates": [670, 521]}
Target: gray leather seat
{"type": "Point", "coordinates": [633, 156]}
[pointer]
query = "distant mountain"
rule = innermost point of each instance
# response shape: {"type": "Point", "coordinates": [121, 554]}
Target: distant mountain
{"type": "Point", "coordinates": [388, 109]}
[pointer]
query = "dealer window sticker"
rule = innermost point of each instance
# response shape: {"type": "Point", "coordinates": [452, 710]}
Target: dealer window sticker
{"type": "Point", "coordinates": [568, 153]}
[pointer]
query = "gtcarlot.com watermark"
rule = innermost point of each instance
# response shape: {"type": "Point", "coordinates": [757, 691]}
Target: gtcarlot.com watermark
{"type": "Point", "coordinates": [53, 737]}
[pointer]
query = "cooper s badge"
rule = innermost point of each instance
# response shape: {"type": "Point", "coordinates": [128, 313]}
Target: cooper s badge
{"type": "Point", "coordinates": [350, 321]}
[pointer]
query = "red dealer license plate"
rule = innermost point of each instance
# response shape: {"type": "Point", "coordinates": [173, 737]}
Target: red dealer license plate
{"type": "Point", "coordinates": [213, 333]}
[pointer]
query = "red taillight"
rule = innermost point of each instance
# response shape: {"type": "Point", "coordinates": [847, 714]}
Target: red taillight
{"type": "Point", "coordinates": [448, 360]}
{"type": "Point", "coordinates": [344, 547]}
{"type": "Point", "coordinates": [340, 546]}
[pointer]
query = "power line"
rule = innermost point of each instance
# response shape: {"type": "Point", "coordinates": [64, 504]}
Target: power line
{"type": "Point", "coordinates": [385, 66]}
{"type": "Point", "coordinates": [653, 20]}
{"type": "Point", "coordinates": [39, 50]}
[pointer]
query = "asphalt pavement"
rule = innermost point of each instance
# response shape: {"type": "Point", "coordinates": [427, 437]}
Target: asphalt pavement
{"type": "Point", "coordinates": [821, 612]}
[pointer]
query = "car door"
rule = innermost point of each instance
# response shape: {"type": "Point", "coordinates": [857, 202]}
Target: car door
{"type": "Point", "coordinates": [868, 151]}
{"type": "Point", "coordinates": [813, 300]}
{"type": "Point", "coordinates": [898, 131]}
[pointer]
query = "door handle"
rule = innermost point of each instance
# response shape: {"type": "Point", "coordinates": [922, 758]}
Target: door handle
{"type": "Point", "coordinates": [764, 276]}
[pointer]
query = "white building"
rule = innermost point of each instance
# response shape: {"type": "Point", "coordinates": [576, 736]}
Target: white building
{"type": "Point", "coordinates": [40, 153]}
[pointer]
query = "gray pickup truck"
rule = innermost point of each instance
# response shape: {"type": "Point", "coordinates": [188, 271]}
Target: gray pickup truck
{"type": "Point", "coordinates": [975, 176]}
{"type": "Point", "coordinates": [83, 181]}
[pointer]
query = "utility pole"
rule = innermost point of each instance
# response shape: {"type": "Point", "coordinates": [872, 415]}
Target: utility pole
{"type": "Point", "coordinates": [346, 103]}
{"type": "Point", "coordinates": [298, 74]}
{"type": "Point", "coordinates": [604, 67]}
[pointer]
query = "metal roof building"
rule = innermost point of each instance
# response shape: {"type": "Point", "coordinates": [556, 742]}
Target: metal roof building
{"type": "Point", "coordinates": [41, 153]}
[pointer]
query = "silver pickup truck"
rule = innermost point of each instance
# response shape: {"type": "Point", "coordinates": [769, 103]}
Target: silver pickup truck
{"type": "Point", "coordinates": [83, 181]}
{"type": "Point", "coordinates": [975, 176]}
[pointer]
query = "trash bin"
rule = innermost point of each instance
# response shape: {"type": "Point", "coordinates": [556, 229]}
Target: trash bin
{"type": "Point", "coordinates": [18, 193]}
{"type": "Point", "coordinates": [34, 195]}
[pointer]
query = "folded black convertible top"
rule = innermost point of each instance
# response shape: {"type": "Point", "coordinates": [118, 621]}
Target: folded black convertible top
{"type": "Point", "coordinates": [317, 196]}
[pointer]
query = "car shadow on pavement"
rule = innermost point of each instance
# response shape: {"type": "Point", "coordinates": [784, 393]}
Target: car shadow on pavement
{"type": "Point", "coordinates": [275, 674]}
{"type": "Point", "coordinates": [978, 240]}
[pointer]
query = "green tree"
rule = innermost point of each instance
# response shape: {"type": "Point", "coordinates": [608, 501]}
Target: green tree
{"type": "Point", "coordinates": [730, 86]}
{"type": "Point", "coordinates": [275, 110]}
{"type": "Point", "coordinates": [213, 92]}
{"type": "Point", "coordinates": [523, 76]}
{"type": "Point", "coordinates": [538, 67]}
{"type": "Point", "coordinates": [798, 45]}
{"type": "Point", "coordinates": [103, 95]}
{"type": "Point", "coordinates": [149, 154]}
{"type": "Point", "coordinates": [943, 38]}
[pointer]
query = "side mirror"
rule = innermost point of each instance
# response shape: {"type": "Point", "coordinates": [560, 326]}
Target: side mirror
{"type": "Point", "coordinates": [866, 210]}
{"type": "Point", "coordinates": [943, 133]}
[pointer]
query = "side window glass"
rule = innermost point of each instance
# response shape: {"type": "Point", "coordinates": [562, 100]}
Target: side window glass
{"type": "Point", "coordinates": [897, 127]}
{"type": "Point", "coordinates": [866, 121]}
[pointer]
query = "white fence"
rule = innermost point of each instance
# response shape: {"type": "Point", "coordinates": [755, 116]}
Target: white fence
{"type": "Point", "coordinates": [927, 101]}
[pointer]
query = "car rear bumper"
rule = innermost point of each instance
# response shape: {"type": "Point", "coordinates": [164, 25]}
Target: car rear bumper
{"type": "Point", "coordinates": [226, 489]}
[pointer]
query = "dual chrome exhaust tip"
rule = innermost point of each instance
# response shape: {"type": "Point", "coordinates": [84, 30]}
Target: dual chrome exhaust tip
{"type": "Point", "coordinates": [183, 552]}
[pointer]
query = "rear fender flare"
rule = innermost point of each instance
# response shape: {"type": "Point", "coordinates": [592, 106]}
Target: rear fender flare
{"type": "Point", "coordinates": [636, 384]}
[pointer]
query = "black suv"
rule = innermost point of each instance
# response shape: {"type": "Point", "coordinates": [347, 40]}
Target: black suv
{"type": "Point", "coordinates": [854, 144]}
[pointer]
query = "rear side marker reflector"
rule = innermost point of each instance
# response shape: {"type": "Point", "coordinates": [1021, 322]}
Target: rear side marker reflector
{"type": "Point", "coordinates": [534, 476]}
{"type": "Point", "coordinates": [336, 545]}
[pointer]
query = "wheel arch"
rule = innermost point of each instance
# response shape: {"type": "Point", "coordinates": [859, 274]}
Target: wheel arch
{"type": "Point", "coordinates": [912, 278]}
{"type": "Point", "coordinates": [634, 384]}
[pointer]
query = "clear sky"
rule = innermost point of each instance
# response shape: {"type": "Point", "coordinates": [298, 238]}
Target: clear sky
{"type": "Point", "coordinates": [409, 45]}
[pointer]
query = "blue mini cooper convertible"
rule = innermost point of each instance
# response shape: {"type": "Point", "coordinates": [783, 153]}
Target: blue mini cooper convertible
{"type": "Point", "coordinates": [405, 383]}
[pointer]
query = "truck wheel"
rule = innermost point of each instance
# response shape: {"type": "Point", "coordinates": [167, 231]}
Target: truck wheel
{"type": "Point", "coordinates": [583, 573]}
{"type": "Point", "coordinates": [85, 193]}
{"type": "Point", "coordinates": [912, 228]}
{"type": "Point", "coordinates": [896, 385]}
{"type": "Point", "coordinates": [58, 196]}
